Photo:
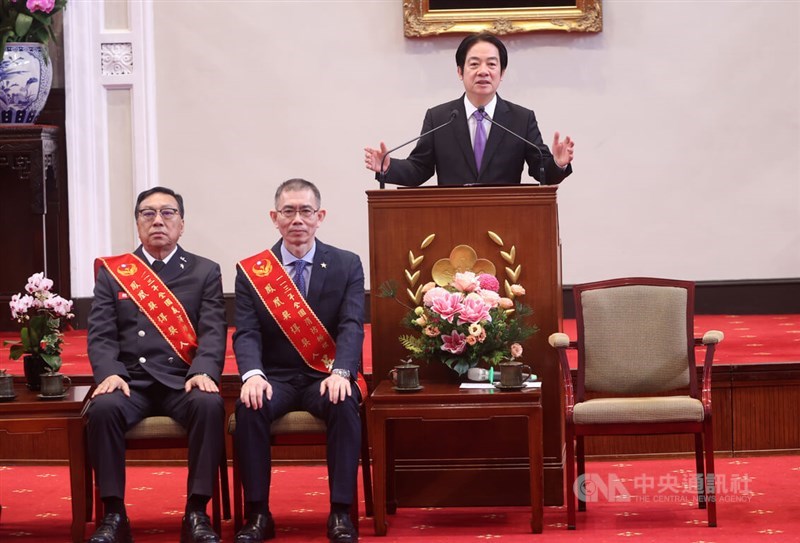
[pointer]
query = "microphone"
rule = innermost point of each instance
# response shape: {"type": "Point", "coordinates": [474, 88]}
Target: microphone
{"type": "Point", "coordinates": [541, 155]}
{"type": "Point", "coordinates": [382, 174]}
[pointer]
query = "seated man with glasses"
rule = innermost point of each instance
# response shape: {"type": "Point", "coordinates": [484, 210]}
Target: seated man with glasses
{"type": "Point", "coordinates": [157, 334]}
{"type": "Point", "coordinates": [299, 334]}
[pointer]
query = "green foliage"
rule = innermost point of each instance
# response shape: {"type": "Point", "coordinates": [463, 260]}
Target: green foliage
{"type": "Point", "coordinates": [19, 24]}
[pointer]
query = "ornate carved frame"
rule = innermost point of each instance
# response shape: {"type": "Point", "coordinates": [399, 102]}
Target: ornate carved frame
{"type": "Point", "coordinates": [420, 21]}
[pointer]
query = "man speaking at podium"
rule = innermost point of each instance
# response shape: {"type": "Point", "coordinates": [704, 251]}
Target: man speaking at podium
{"type": "Point", "coordinates": [478, 138]}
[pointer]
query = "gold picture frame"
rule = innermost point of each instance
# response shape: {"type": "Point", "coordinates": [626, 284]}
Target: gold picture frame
{"type": "Point", "coordinates": [420, 20]}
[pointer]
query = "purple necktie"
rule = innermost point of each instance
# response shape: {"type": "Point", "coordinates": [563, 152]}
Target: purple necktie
{"type": "Point", "coordinates": [480, 138]}
{"type": "Point", "coordinates": [299, 276]}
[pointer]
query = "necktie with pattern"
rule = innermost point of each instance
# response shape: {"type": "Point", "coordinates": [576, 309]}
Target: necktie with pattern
{"type": "Point", "coordinates": [299, 277]}
{"type": "Point", "coordinates": [480, 138]}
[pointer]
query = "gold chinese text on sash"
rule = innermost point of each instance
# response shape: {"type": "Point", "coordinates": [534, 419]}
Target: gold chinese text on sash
{"type": "Point", "coordinates": [291, 312]}
{"type": "Point", "coordinates": [148, 291]}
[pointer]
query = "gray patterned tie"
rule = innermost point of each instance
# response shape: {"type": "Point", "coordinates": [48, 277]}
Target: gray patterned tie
{"type": "Point", "coordinates": [299, 277]}
{"type": "Point", "coordinates": [480, 138]}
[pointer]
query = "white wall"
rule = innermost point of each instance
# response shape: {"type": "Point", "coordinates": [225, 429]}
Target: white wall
{"type": "Point", "coordinates": [686, 117]}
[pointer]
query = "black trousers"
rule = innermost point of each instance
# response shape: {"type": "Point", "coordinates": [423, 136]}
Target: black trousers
{"type": "Point", "coordinates": [112, 415]}
{"type": "Point", "coordinates": [302, 394]}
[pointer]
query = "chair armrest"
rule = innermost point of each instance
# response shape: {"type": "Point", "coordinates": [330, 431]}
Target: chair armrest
{"type": "Point", "coordinates": [559, 340]}
{"type": "Point", "coordinates": [710, 340]}
{"type": "Point", "coordinates": [713, 336]}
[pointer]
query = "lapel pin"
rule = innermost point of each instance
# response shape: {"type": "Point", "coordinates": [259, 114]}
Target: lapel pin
{"type": "Point", "coordinates": [324, 264]}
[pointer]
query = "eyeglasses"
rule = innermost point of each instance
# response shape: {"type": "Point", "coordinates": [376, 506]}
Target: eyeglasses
{"type": "Point", "coordinates": [305, 212]}
{"type": "Point", "coordinates": [149, 215]}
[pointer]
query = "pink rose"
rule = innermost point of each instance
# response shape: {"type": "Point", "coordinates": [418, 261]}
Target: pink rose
{"type": "Point", "coordinates": [516, 350]}
{"type": "Point", "coordinates": [453, 343]}
{"type": "Point", "coordinates": [471, 340]}
{"type": "Point", "coordinates": [518, 290]}
{"type": "Point", "coordinates": [429, 285]}
{"type": "Point", "coordinates": [505, 303]}
{"type": "Point", "coordinates": [431, 331]}
{"type": "Point", "coordinates": [466, 282]}
{"type": "Point", "coordinates": [489, 282]}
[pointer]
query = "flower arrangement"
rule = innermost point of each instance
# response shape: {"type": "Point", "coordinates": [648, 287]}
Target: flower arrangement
{"type": "Point", "coordinates": [28, 20]}
{"type": "Point", "coordinates": [465, 322]}
{"type": "Point", "coordinates": [41, 313]}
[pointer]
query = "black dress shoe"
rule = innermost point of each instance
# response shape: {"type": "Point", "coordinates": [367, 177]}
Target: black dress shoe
{"type": "Point", "coordinates": [256, 530]}
{"type": "Point", "coordinates": [114, 528]}
{"type": "Point", "coordinates": [341, 529]}
{"type": "Point", "coordinates": [196, 528]}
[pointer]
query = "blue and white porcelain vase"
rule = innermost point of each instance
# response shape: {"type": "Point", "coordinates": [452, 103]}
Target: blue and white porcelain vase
{"type": "Point", "coordinates": [25, 78]}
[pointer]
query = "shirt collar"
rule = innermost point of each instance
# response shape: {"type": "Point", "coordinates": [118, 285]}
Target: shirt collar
{"type": "Point", "coordinates": [151, 259]}
{"type": "Point", "coordinates": [488, 108]}
{"type": "Point", "coordinates": [288, 258]}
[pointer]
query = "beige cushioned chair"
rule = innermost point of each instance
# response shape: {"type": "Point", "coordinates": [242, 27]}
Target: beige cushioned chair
{"type": "Point", "coordinates": [161, 432]}
{"type": "Point", "coordinates": [636, 374]}
{"type": "Point", "coordinates": [302, 429]}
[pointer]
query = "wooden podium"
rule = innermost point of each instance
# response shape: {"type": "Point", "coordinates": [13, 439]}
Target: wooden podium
{"type": "Point", "coordinates": [431, 469]}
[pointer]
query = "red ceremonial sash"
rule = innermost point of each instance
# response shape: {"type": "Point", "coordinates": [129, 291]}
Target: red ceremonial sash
{"type": "Point", "coordinates": [153, 297]}
{"type": "Point", "coordinates": [292, 314]}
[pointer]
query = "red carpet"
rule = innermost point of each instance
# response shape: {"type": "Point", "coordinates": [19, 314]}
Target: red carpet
{"type": "Point", "coordinates": [749, 339]}
{"type": "Point", "coordinates": [756, 502]}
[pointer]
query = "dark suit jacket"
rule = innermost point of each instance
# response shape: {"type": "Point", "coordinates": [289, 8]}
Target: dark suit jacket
{"type": "Point", "coordinates": [335, 293]}
{"type": "Point", "coordinates": [115, 339]}
{"type": "Point", "coordinates": [449, 153]}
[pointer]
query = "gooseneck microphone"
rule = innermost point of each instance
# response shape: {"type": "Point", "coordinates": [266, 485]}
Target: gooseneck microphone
{"type": "Point", "coordinates": [382, 174]}
{"type": "Point", "coordinates": [541, 155]}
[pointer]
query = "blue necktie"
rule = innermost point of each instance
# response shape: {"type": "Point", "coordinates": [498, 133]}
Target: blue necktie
{"type": "Point", "coordinates": [480, 138]}
{"type": "Point", "coordinates": [299, 276]}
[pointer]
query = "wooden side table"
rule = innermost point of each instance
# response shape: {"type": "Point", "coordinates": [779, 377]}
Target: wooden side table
{"type": "Point", "coordinates": [28, 415]}
{"type": "Point", "coordinates": [445, 401]}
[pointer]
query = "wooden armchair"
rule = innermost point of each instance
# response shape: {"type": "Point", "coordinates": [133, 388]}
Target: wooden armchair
{"type": "Point", "coordinates": [636, 362]}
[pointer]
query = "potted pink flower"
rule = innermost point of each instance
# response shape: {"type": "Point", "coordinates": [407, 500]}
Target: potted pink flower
{"type": "Point", "coordinates": [41, 314]}
{"type": "Point", "coordinates": [466, 322]}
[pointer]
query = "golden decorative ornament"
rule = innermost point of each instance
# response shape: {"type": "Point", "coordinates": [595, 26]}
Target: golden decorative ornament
{"type": "Point", "coordinates": [510, 256]}
{"type": "Point", "coordinates": [412, 278]}
{"type": "Point", "coordinates": [495, 238]}
{"type": "Point", "coordinates": [513, 274]}
{"type": "Point", "coordinates": [414, 261]}
{"type": "Point", "coordinates": [462, 258]}
{"type": "Point", "coordinates": [427, 241]}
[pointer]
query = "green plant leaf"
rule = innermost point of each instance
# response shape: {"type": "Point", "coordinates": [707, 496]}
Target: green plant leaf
{"type": "Point", "coordinates": [22, 25]}
{"type": "Point", "coordinates": [16, 351]}
{"type": "Point", "coordinates": [53, 361]}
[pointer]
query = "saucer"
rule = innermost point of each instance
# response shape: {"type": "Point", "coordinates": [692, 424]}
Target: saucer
{"type": "Point", "coordinates": [7, 398]}
{"type": "Point", "coordinates": [412, 389]}
{"type": "Point", "coordinates": [511, 387]}
{"type": "Point", "coordinates": [56, 397]}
